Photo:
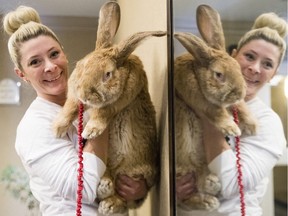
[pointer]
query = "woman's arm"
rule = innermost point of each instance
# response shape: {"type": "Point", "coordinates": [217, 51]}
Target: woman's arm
{"type": "Point", "coordinates": [258, 153]}
{"type": "Point", "coordinates": [55, 161]}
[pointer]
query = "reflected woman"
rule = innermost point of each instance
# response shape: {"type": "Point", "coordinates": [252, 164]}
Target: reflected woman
{"type": "Point", "coordinates": [259, 52]}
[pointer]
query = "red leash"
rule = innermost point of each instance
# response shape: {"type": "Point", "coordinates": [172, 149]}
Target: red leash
{"type": "Point", "coordinates": [80, 160]}
{"type": "Point", "coordinates": [240, 182]}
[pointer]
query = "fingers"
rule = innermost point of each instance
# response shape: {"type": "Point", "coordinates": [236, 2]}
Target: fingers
{"type": "Point", "coordinates": [131, 189]}
{"type": "Point", "coordinates": [186, 186]}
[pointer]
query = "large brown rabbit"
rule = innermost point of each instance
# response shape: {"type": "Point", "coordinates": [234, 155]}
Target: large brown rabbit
{"type": "Point", "coordinates": [112, 85]}
{"type": "Point", "coordinates": [208, 81]}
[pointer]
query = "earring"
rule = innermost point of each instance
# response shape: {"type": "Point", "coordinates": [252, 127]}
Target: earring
{"type": "Point", "coordinates": [26, 80]}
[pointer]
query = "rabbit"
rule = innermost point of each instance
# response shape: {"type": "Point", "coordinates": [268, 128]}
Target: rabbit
{"type": "Point", "coordinates": [112, 85]}
{"type": "Point", "coordinates": [209, 81]}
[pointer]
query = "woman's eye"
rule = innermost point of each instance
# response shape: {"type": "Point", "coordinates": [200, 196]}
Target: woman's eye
{"type": "Point", "coordinates": [34, 62]}
{"type": "Point", "coordinates": [55, 54]}
{"type": "Point", "coordinates": [268, 65]}
{"type": "Point", "coordinates": [249, 56]}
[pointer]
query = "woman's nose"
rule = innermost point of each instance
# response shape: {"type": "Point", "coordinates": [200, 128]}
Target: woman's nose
{"type": "Point", "coordinates": [50, 66]}
{"type": "Point", "coordinates": [255, 67]}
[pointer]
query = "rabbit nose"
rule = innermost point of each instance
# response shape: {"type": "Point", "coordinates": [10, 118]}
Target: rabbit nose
{"type": "Point", "coordinates": [93, 90]}
{"type": "Point", "coordinates": [234, 95]}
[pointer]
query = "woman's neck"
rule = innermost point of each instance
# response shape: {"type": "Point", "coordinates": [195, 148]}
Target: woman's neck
{"type": "Point", "coordinates": [249, 97]}
{"type": "Point", "coordinates": [57, 99]}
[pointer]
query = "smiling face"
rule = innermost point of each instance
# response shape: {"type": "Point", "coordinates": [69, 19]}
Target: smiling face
{"type": "Point", "coordinates": [45, 67]}
{"type": "Point", "coordinates": [259, 61]}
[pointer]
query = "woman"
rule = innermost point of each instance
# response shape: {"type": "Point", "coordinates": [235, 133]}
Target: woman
{"type": "Point", "coordinates": [50, 162]}
{"type": "Point", "coordinates": [259, 53]}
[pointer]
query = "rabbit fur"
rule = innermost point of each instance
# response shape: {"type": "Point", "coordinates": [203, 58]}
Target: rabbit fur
{"type": "Point", "coordinates": [208, 81]}
{"type": "Point", "coordinates": [112, 85]}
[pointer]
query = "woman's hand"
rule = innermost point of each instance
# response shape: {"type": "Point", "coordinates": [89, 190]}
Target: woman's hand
{"type": "Point", "coordinates": [131, 189]}
{"type": "Point", "coordinates": [185, 186]}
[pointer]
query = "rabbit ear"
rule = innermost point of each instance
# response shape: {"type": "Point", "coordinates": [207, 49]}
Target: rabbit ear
{"type": "Point", "coordinates": [125, 48]}
{"type": "Point", "coordinates": [109, 19]}
{"type": "Point", "coordinates": [195, 46]}
{"type": "Point", "coordinates": [210, 27]}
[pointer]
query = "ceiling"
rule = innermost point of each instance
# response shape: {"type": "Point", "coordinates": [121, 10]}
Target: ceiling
{"type": "Point", "coordinates": [245, 10]}
{"type": "Point", "coordinates": [232, 10]}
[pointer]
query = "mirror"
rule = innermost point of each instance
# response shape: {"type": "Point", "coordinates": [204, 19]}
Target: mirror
{"type": "Point", "coordinates": [237, 17]}
{"type": "Point", "coordinates": [75, 24]}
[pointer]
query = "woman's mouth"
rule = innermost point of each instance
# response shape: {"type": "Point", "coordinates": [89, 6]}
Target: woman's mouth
{"type": "Point", "coordinates": [53, 79]}
{"type": "Point", "coordinates": [250, 81]}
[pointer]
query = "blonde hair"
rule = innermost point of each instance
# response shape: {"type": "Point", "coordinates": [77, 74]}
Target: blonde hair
{"type": "Point", "coordinates": [269, 27]}
{"type": "Point", "coordinates": [23, 24]}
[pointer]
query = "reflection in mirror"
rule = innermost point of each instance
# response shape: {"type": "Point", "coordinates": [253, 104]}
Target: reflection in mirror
{"type": "Point", "coordinates": [237, 17]}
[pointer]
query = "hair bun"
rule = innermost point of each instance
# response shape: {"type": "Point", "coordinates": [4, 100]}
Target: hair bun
{"type": "Point", "coordinates": [272, 21]}
{"type": "Point", "coordinates": [22, 15]}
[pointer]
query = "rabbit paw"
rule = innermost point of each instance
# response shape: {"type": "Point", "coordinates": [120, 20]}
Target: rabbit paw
{"type": "Point", "coordinates": [60, 128]}
{"type": "Point", "coordinates": [201, 202]}
{"type": "Point", "coordinates": [231, 129]}
{"type": "Point", "coordinates": [105, 188]}
{"type": "Point", "coordinates": [210, 203]}
{"type": "Point", "coordinates": [212, 184]}
{"type": "Point", "coordinates": [112, 205]}
{"type": "Point", "coordinates": [249, 127]}
{"type": "Point", "coordinates": [92, 130]}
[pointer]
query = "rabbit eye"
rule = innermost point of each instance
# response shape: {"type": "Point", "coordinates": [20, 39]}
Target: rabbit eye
{"type": "Point", "coordinates": [107, 75]}
{"type": "Point", "coordinates": [219, 76]}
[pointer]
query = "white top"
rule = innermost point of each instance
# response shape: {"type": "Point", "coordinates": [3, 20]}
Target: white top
{"type": "Point", "coordinates": [259, 154]}
{"type": "Point", "coordinates": [52, 163]}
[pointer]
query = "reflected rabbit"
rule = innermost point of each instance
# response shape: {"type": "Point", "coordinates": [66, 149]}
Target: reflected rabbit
{"type": "Point", "coordinates": [208, 81]}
